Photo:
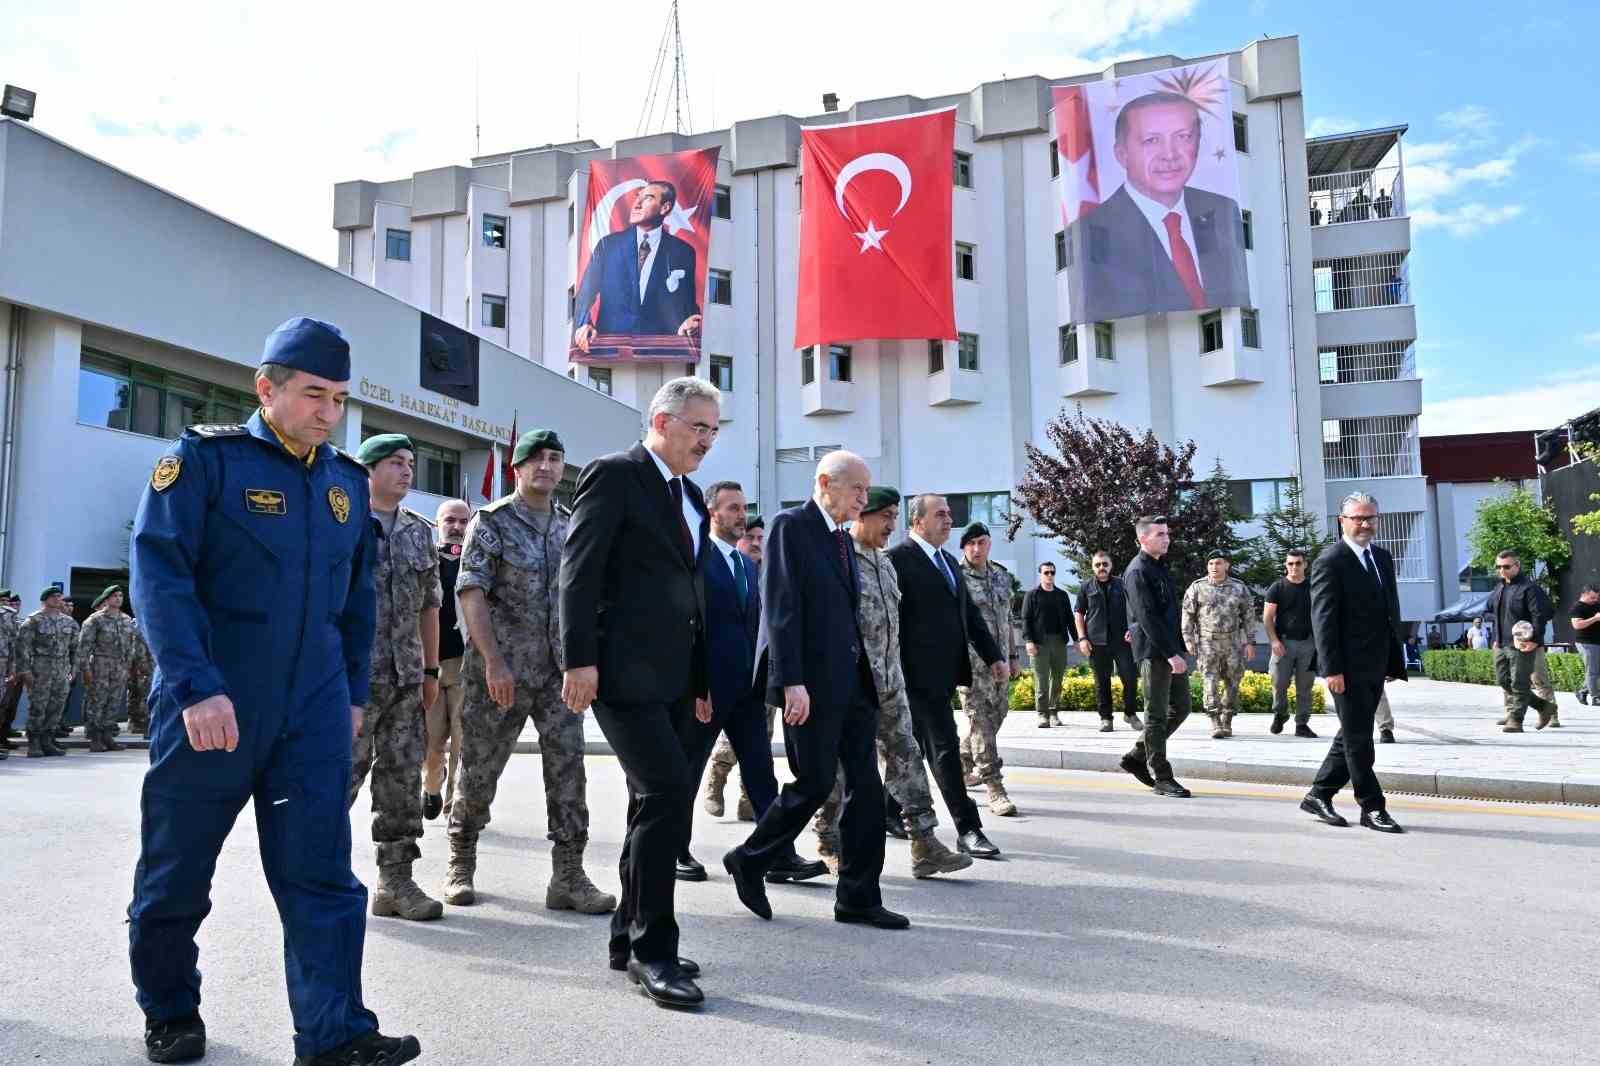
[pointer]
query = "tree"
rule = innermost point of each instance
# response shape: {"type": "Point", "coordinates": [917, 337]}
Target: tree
{"type": "Point", "coordinates": [1206, 508]}
{"type": "Point", "coordinates": [1519, 523]}
{"type": "Point", "coordinates": [1290, 526]}
{"type": "Point", "coordinates": [1101, 477]}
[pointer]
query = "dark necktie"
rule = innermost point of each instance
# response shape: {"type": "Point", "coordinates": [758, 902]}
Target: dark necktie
{"type": "Point", "coordinates": [644, 255]}
{"type": "Point", "coordinates": [944, 568]}
{"type": "Point", "coordinates": [676, 485]}
{"type": "Point", "coordinates": [841, 540]}
{"type": "Point", "coordinates": [740, 582]}
{"type": "Point", "coordinates": [1372, 567]}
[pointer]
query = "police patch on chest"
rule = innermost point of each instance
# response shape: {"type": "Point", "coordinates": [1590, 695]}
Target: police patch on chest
{"type": "Point", "coordinates": [339, 500]}
{"type": "Point", "coordinates": [265, 501]}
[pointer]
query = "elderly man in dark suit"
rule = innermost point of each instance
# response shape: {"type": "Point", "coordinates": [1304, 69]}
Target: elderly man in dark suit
{"type": "Point", "coordinates": [938, 622]}
{"type": "Point", "coordinates": [1158, 244]}
{"type": "Point", "coordinates": [633, 643]}
{"type": "Point", "coordinates": [644, 277]}
{"type": "Point", "coordinates": [1355, 620]}
{"type": "Point", "coordinates": [811, 661]}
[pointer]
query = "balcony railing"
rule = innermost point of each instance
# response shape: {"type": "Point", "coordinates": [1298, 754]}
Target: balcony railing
{"type": "Point", "coordinates": [1405, 535]}
{"type": "Point", "coordinates": [1383, 361]}
{"type": "Point", "coordinates": [1384, 446]}
{"type": "Point", "coordinates": [1357, 196]}
{"type": "Point", "coordinates": [1377, 280]}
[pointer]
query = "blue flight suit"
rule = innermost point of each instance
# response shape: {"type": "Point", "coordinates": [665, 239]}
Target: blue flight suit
{"type": "Point", "coordinates": [253, 571]}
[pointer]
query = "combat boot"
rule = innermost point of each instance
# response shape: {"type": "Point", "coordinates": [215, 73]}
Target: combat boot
{"type": "Point", "coordinates": [35, 746]}
{"type": "Point", "coordinates": [458, 890]}
{"type": "Point", "coordinates": [1547, 714]}
{"type": "Point", "coordinates": [999, 802]}
{"type": "Point", "coordinates": [715, 783]}
{"type": "Point", "coordinates": [1227, 723]}
{"type": "Point", "coordinates": [1217, 732]}
{"type": "Point", "coordinates": [96, 743]}
{"type": "Point", "coordinates": [570, 888]}
{"type": "Point", "coordinates": [1513, 724]}
{"type": "Point", "coordinates": [397, 896]}
{"type": "Point", "coordinates": [828, 849]}
{"type": "Point", "coordinates": [48, 743]}
{"type": "Point", "coordinates": [929, 856]}
{"type": "Point", "coordinates": [110, 742]}
{"type": "Point", "coordinates": [747, 812]}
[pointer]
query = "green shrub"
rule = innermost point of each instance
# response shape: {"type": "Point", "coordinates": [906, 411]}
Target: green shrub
{"type": "Point", "coordinates": [1078, 693]}
{"type": "Point", "coordinates": [1476, 667]}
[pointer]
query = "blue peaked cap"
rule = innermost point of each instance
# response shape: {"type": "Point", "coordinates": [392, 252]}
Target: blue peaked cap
{"type": "Point", "coordinates": [314, 347]}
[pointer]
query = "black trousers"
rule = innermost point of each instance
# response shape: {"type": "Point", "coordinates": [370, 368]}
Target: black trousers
{"type": "Point", "coordinates": [1102, 657]}
{"type": "Point", "coordinates": [746, 727]}
{"type": "Point", "coordinates": [833, 738]}
{"type": "Point", "coordinates": [652, 742]}
{"type": "Point", "coordinates": [934, 721]}
{"type": "Point", "coordinates": [1351, 755]}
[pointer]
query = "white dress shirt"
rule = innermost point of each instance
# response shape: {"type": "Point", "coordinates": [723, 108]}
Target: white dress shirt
{"type": "Point", "coordinates": [934, 555]}
{"type": "Point", "coordinates": [1156, 213]}
{"type": "Point", "coordinates": [690, 515]}
{"type": "Point", "coordinates": [833, 527]}
{"type": "Point", "coordinates": [1362, 556]}
{"type": "Point", "coordinates": [728, 551]}
{"type": "Point", "coordinates": [652, 237]}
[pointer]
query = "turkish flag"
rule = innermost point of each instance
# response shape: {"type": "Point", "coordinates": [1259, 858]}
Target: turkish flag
{"type": "Point", "coordinates": [1080, 179]}
{"type": "Point", "coordinates": [488, 467]}
{"type": "Point", "coordinates": [875, 232]}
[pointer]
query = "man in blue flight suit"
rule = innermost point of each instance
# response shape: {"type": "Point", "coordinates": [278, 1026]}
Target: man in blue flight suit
{"type": "Point", "coordinates": [258, 697]}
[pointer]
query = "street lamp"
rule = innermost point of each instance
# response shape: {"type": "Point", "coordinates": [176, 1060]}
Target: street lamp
{"type": "Point", "coordinates": [18, 102]}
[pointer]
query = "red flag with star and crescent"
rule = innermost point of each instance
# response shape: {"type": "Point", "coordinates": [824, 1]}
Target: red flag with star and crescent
{"type": "Point", "coordinates": [875, 232]}
{"type": "Point", "coordinates": [1080, 178]}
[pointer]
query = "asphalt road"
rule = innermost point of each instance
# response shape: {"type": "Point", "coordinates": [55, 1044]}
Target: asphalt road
{"type": "Point", "coordinates": [1122, 928]}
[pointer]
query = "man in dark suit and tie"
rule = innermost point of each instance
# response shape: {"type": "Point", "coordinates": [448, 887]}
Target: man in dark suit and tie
{"type": "Point", "coordinates": [1355, 620]}
{"type": "Point", "coordinates": [737, 708]}
{"type": "Point", "coordinates": [938, 622]}
{"type": "Point", "coordinates": [811, 661]}
{"type": "Point", "coordinates": [644, 277]}
{"type": "Point", "coordinates": [1157, 244]}
{"type": "Point", "coordinates": [633, 645]}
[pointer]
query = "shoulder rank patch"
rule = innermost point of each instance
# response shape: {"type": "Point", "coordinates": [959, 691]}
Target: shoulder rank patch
{"type": "Point", "coordinates": [165, 473]}
{"type": "Point", "coordinates": [494, 505]}
{"type": "Point", "coordinates": [424, 519]}
{"type": "Point", "coordinates": [339, 500]}
{"type": "Point", "coordinates": [219, 429]}
{"type": "Point", "coordinates": [265, 501]}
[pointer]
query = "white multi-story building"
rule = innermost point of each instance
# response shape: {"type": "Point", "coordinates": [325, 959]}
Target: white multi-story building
{"type": "Point", "coordinates": [1316, 382]}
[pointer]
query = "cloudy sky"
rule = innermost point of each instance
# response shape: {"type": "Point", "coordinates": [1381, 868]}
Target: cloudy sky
{"type": "Point", "coordinates": [254, 111]}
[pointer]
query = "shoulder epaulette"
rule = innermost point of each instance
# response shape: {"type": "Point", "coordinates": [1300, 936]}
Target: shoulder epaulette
{"type": "Point", "coordinates": [494, 505]}
{"type": "Point", "coordinates": [424, 519]}
{"type": "Point", "coordinates": [213, 430]}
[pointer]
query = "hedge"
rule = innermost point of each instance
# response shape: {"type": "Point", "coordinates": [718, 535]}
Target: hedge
{"type": "Point", "coordinates": [1476, 667]}
{"type": "Point", "coordinates": [1078, 692]}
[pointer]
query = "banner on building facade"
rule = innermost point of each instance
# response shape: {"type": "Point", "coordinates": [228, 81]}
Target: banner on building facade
{"type": "Point", "coordinates": [642, 250]}
{"type": "Point", "coordinates": [1150, 193]}
{"type": "Point", "coordinates": [875, 232]}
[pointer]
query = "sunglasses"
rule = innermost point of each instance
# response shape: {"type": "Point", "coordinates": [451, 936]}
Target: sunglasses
{"type": "Point", "coordinates": [1505, 566]}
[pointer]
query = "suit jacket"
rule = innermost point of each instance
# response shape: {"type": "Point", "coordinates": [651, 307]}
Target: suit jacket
{"type": "Point", "coordinates": [1124, 270]}
{"type": "Point", "coordinates": [810, 632]}
{"type": "Point", "coordinates": [1356, 625]}
{"type": "Point", "coordinates": [632, 597]}
{"type": "Point", "coordinates": [936, 625]}
{"type": "Point", "coordinates": [732, 628]}
{"type": "Point", "coordinates": [613, 276]}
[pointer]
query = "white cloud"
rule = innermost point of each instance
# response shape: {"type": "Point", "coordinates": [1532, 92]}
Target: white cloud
{"type": "Point", "coordinates": [1470, 118]}
{"type": "Point", "coordinates": [1323, 125]}
{"type": "Point", "coordinates": [1546, 403]}
{"type": "Point", "coordinates": [1590, 340]}
{"type": "Point", "coordinates": [1464, 220]}
{"type": "Point", "coordinates": [1589, 159]}
{"type": "Point", "coordinates": [1436, 172]}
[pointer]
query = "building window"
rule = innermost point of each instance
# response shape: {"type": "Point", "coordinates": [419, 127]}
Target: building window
{"type": "Point", "coordinates": [494, 311]}
{"type": "Point", "coordinates": [721, 286]}
{"type": "Point", "coordinates": [990, 508]}
{"type": "Point", "coordinates": [1063, 254]}
{"type": "Point", "coordinates": [572, 302]}
{"type": "Point", "coordinates": [839, 362]}
{"type": "Point", "coordinates": [1105, 341]}
{"type": "Point", "coordinates": [935, 357]}
{"type": "Point", "coordinates": [1263, 496]}
{"type": "Point", "coordinates": [722, 372]}
{"type": "Point", "coordinates": [572, 218]}
{"type": "Point", "coordinates": [1211, 332]}
{"type": "Point", "coordinates": [966, 262]}
{"type": "Point", "coordinates": [1250, 328]}
{"type": "Point", "coordinates": [1249, 230]}
{"type": "Point", "coordinates": [120, 394]}
{"type": "Point", "coordinates": [1055, 160]}
{"type": "Point", "coordinates": [808, 365]}
{"type": "Point", "coordinates": [1241, 133]}
{"type": "Point", "coordinates": [967, 351]}
{"type": "Point", "coordinates": [963, 170]}
{"type": "Point", "coordinates": [600, 379]}
{"type": "Point", "coordinates": [397, 245]}
{"type": "Point", "coordinates": [494, 231]}
{"type": "Point", "coordinates": [1328, 367]}
{"type": "Point", "coordinates": [1374, 361]}
{"type": "Point", "coordinates": [689, 369]}
{"type": "Point", "coordinates": [722, 204]}
{"type": "Point", "coordinates": [1068, 338]}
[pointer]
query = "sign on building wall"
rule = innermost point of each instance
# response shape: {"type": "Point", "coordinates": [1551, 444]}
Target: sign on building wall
{"type": "Point", "coordinates": [1150, 194]}
{"type": "Point", "coordinates": [449, 357]}
{"type": "Point", "coordinates": [642, 252]}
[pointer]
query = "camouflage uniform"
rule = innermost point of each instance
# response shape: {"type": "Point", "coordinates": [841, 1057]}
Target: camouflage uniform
{"type": "Point", "coordinates": [139, 677]}
{"type": "Point", "coordinates": [1217, 624]}
{"type": "Point", "coordinates": [105, 653]}
{"type": "Point", "coordinates": [986, 700]}
{"type": "Point", "coordinates": [8, 705]}
{"type": "Point", "coordinates": [44, 649]}
{"type": "Point", "coordinates": [391, 740]}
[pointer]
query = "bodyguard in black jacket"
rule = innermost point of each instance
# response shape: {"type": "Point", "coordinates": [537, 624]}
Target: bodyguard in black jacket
{"type": "Point", "coordinates": [1516, 599]}
{"type": "Point", "coordinates": [1103, 620]}
{"type": "Point", "coordinates": [1157, 637]}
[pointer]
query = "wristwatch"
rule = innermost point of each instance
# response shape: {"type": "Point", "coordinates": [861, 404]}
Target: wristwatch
{"type": "Point", "coordinates": [430, 671]}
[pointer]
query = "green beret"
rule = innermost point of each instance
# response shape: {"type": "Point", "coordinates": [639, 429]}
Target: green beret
{"type": "Point", "coordinates": [755, 523]}
{"type": "Point", "coordinates": [533, 441]}
{"type": "Point", "coordinates": [375, 450]}
{"type": "Point", "coordinates": [973, 532]}
{"type": "Point", "coordinates": [879, 497]}
{"type": "Point", "coordinates": [51, 591]}
{"type": "Point", "coordinates": [1219, 555]}
{"type": "Point", "coordinates": [110, 591]}
{"type": "Point", "coordinates": [6, 594]}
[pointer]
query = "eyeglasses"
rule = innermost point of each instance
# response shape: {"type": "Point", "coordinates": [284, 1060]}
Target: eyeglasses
{"type": "Point", "coordinates": [1361, 519]}
{"type": "Point", "coordinates": [700, 428]}
{"type": "Point", "coordinates": [1047, 573]}
{"type": "Point", "coordinates": [1505, 566]}
{"type": "Point", "coordinates": [1102, 566]}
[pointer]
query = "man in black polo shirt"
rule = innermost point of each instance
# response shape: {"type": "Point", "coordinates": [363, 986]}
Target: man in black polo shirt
{"type": "Point", "coordinates": [444, 716]}
{"type": "Point", "coordinates": [1102, 617]}
{"type": "Point", "coordinates": [1287, 619]}
{"type": "Point", "coordinates": [1046, 629]}
{"type": "Point", "coordinates": [1585, 618]}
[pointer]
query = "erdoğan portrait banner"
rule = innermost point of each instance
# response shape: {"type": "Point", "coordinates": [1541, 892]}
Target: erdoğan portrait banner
{"type": "Point", "coordinates": [643, 244]}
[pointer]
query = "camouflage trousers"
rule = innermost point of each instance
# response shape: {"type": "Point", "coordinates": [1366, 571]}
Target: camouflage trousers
{"type": "Point", "coordinates": [105, 700]}
{"type": "Point", "coordinates": [489, 733]}
{"type": "Point", "coordinates": [985, 704]}
{"type": "Point", "coordinates": [47, 696]}
{"type": "Point", "coordinates": [390, 746]}
{"type": "Point", "coordinates": [904, 776]}
{"type": "Point", "coordinates": [139, 702]}
{"type": "Point", "coordinates": [1222, 669]}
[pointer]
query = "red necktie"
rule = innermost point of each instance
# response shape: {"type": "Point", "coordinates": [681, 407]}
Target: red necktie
{"type": "Point", "coordinates": [1183, 261]}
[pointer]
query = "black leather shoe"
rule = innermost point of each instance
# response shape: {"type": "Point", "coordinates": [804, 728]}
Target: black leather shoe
{"type": "Point", "coordinates": [1380, 821]}
{"type": "Point", "coordinates": [752, 893]}
{"type": "Point", "coordinates": [794, 868]}
{"type": "Point", "coordinates": [974, 843]}
{"type": "Point", "coordinates": [689, 868]}
{"type": "Point", "coordinates": [1304, 731]}
{"type": "Point", "coordinates": [177, 1040]}
{"type": "Point", "coordinates": [1322, 810]}
{"type": "Point", "coordinates": [896, 828]}
{"type": "Point", "coordinates": [1278, 722]}
{"type": "Point", "coordinates": [370, 1049]}
{"type": "Point", "coordinates": [1386, 736]}
{"type": "Point", "coordinates": [666, 983]}
{"type": "Point", "coordinates": [1105, 725]}
{"type": "Point", "coordinates": [688, 967]}
{"type": "Point", "coordinates": [432, 804]}
{"type": "Point", "coordinates": [878, 917]}
{"type": "Point", "coordinates": [1169, 787]}
{"type": "Point", "coordinates": [1138, 769]}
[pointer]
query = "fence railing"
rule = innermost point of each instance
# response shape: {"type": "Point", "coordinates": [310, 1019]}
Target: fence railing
{"type": "Point", "coordinates": [1356, 196]}
{"type": "Point", "coordinates": [1404, 535]}
{"type": "Point", "coordinates": [1380, 279]}
{"type": "Point", "coordinates": [1384, 446]}
{"type": "Point", "coordinates": [1383, 361]}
